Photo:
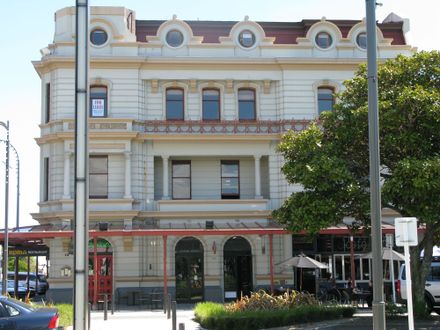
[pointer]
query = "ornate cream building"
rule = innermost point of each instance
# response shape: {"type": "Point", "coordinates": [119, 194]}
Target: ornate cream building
{"type": "Point", "coordinates": [185, 117]}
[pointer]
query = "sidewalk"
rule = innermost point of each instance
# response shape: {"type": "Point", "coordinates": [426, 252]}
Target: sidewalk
{"type": "Point", "coordinates": [157, 320]}
{"type": "Point", "coordinates": [133, 320]}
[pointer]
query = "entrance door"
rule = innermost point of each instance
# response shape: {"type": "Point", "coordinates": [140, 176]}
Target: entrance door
{"type": "Point", "coordinates": [100, 270]}
{"type": "Point", "coordinates": [237, 265]}
{"type": "Point", "coordinates": [189, 270]}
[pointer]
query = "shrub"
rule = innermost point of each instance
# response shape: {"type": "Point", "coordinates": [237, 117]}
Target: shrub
{"type": "Point", "coordinates": [261, 300]}
{"type": "Point", "coordinates": [215, 316]}
{"type": "Point", "coordinates": [392, 310]}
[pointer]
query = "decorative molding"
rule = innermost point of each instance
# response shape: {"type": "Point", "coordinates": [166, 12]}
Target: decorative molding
{"type": "Point", "coordinates": [193, 86]}
{"type": "Point", "coordinates": [229, 86]}
{"type": "Point", "coordinates": [266, 86]}
{"type": "Point", "coordinates": [154, 86]}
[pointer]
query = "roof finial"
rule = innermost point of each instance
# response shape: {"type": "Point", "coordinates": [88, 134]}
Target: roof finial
{"type": "Point", "coordinates": [174, 17]}
{"type": "Point", "coordinates": [246, 18]}
{"type": "Point", "coordinates": [323, 18]}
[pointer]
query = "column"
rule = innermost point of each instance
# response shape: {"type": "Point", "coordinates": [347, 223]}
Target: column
{"type": "Point", "coordinates": [165, 194]}
{"type": "Point", "coordinates": [127, 175]}
{"type": "Point", "coordinates": [66, 192]}
{"type": "Point", "coordinates": [257, 177]}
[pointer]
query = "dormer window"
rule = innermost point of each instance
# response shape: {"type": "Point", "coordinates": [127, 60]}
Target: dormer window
{"type": "Point", "coordinates": [98, 37]}
{"type": "Point", "coordinates": [361, 40]}
{"type": "Point", "coordinates": [174, 38]}
{"type": "Point", "coordinates": [246, 38]}
{"type": "Point", "coordinates": [323, 40]}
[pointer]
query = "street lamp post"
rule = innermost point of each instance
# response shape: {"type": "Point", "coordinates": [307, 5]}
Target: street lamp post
{"type": "Point", "coordinates": [17, 225]}
{"type": "Point", "coordinates": [6, 241]}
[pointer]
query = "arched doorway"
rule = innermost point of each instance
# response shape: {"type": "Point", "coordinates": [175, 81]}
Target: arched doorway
{"type": "Point", "coordinates": [237, 267]}
{"type": "Point", "coordinates": [189, 270]}
{"type": "Point", "coordinates": [100, 269]}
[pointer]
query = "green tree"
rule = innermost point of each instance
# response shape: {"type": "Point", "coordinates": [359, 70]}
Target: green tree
{"type": "Point", "coordinates": [330, 159]}
{"type": "Point", "coordinates": [22, 264]}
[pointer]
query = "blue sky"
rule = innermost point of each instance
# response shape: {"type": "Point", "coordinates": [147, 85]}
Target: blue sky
{"type": "Point", "coordinates": [28, 25]}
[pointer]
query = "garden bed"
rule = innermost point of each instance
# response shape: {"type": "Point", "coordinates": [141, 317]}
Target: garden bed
{"type": "Point", "coordinates": [265, 311]}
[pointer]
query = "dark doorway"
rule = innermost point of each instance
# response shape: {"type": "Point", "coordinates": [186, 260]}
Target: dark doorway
{"type": "Point", "coordinates": [189, 270]}
{"type": "Point", "coordinates": [237, 265]}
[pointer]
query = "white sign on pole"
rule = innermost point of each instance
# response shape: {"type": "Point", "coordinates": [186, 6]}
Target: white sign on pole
{"type": "Point", "coordinates": [406, 231]}
{"type": "Point", "coordinates": [406, 235]}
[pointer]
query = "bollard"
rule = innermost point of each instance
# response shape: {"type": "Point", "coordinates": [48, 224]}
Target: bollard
{"type": "Point", "coordinates": [181, 326]}
{"type": "Point", "coordinates": [174, 312]}
{"type": "Point", "coordinates": [105, 306]}
{"type": "Point", "coordinates": [165, 303]}
{"type": "Point", "coordinates": [113, 304]}
{"type": "Point", "coordinates": [168, 298]}
{"type": "Point", "coordinates": [88, 315]}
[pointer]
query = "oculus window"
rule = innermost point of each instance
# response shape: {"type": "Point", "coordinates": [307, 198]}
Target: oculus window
{"type": "Point", "coordinates": [230, 179]}
{"type": "Point", "coordinates": [98, 37]}
{"type": "Point", "coordinates": [174, 38]}
{"type": "Point", "coordinates": [211, 104]}
{"type": "Point", "coordinates": [361, 40]}
{"type": "Point", "coordinates": [246, 38]}
{"type": "Point", "coordinates": [323, 40]}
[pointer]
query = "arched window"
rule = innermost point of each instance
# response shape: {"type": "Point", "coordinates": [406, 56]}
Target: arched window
{"type": "Point", "coordinates": [174, 104]}
{"type": "Point", "coordinates": [246, 104]}
{"type": "Point", "coordinates": [211, 104]}
{"type": "Point", "coordinates": [98, 101]}
{"type": "Point", "coordinates": [325, 99]}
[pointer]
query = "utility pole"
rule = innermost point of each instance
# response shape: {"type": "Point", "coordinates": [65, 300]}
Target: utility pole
{"type": "Point", "coordinates": [81, 221]}
{"type": "Point", "coordinates": [6, 241]}
{"type": "Point", "coordinates": [373, 140]}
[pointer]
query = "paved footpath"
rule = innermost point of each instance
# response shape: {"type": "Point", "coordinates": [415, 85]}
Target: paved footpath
{"type": "Point", "coordinates": [157, 320]}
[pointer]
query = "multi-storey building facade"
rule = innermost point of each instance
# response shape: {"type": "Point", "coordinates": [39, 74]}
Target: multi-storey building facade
{"type": "Point", "coordinates": [184, 121]}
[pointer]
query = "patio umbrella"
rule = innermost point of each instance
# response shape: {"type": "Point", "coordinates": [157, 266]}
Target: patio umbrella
{"type": "Point", "coordinates": [389, 254]}
{"type": "Point", "coordinates": [302, 261]}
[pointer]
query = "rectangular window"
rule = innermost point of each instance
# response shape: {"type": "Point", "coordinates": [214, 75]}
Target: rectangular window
{"type": "Point", "coordinates": [98, 177]}
{"type": "Point", "coordinates": [246, 104]}
{"type": "Point", "coordinates": [46, 179]}
{"type": "Point", "coordinates": [174, 104]}
{"type": "Point", "coordinates": [98, 101]}
{"type": "Point", "coordinates": [181, 179]}
{"type": "Point", "coordinates": [211, 104]}
{"type": "Point", "coordinates": [325, 99]}
{"type": "Point", "coordinates": [47, 119]}
{"type": "Point", "coordinates": [230, 179]}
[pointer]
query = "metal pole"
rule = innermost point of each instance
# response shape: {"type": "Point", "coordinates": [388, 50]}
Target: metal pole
{"type": "Point", "coordinates": [352, 265]}
{"type": "Point", "coordinates": [81, 222]}
{"type": "Point", "coordinates": [6, 241]}
{"type": "Point", "coordinates": [373, 134]}
{"type": "Point", "coordinates": [174, 315]}
{"type": "Point", "coordinates": [271, 263]}
{"type": "Point", "coordinates": [408, 287]}
{"type": "Point", "coordinates": [105, 306]}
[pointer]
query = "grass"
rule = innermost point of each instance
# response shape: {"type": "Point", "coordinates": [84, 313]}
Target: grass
{"type": "Point", "coordinates": [66, 314]}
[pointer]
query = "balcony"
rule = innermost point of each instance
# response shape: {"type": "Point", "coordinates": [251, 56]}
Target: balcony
{"type": "Point", "coordinates": [224, 205]}
{"type": "Point", "coordinates": [231, 127]}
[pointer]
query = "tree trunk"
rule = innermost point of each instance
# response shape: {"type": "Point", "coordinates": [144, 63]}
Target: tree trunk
{"type": "Point", "coordinates": [419, 271]}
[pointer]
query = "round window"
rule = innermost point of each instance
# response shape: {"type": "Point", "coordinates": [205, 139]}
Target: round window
{"type": "Point", "coordinates": [174, 38]}
{"type": "Point", "coordinates": [361, 40]}
{"type": "Point", "coordinates": [246, 38]}
{"type": "Point", "coordinates": [98, 37]}
{"type": "Point", "coordinates": [323, 40]}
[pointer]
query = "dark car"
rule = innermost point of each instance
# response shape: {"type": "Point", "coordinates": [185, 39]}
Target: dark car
{"type": "Point", "coordinates": [40, 286]}
{"type": "Point", "coordinates": [17, 315]}
{"type": "Point", "coordinates": [21, 292]}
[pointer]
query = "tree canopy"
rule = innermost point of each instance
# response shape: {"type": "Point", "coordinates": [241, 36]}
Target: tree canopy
{"type": "Point", "coordinates": [330, 159]}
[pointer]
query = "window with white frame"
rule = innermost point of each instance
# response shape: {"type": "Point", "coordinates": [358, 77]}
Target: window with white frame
{"type": "Point", "coordinates": [181, 179]}
{"type": "Point", "coordinates": [230, 179]}
{"type": "Point", "coordinates": [211, 104]}
{"type": "Point", "coordinates": [175, 104]}
{"type": "Point", "coordinates": [325, 99]}
{"type": "Point", "coordinates": [246, 104]}
{"type": "Point", "coordinates": [98, 176]}
{"type": "Point", "coordinates": [98, 101]}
